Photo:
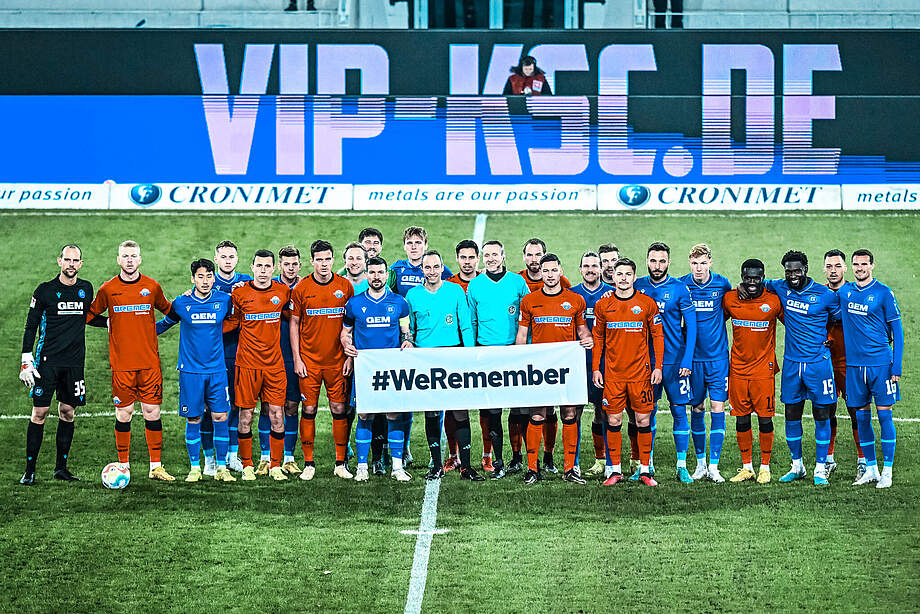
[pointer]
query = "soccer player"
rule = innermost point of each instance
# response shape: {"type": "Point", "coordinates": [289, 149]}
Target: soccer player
{"type": "Point", "coordinates": [591, 289]}
{"type": "Point", "coordinates": [553, 314]}
{"type": "Point", "coordinates": [807, 370]}
{"type": "Point", "coordinates": [678, 317]}
{"type": "Point", "coordinates": [835, 267]}
{"type": "Point", "coordinates": [439, 316]}
{"type": "Point", "coordinates": [609, 254]}
{"type": "Point", "coordinates": [319, 359]}
{"type": "Point", "coordinates": [623, 324]}
{"type": "Point", "coordinates": [751, 383]}
{"type": "Point", "coordinates": [260, 374]}
{"type": "Point", "coordinates": [710, 361]}
{"type": "Point", "coordinates": [371, 240]}
{"type": "Point", "coordinates": [202, 374]}
{"type": "Point", "coordinates": [495, 300]}
{"type": "Point", "coordinates": [377, 319]}
{"type": "Point", "coordinates": [226, 256]}
{"type": "Point", "coordinates": [870, 319]}
{"type": "Point", "coordinates": [289, 261]}
{"type": "Point", "coordinates": [356, 258]}
{"type": "Point", "coordinates": [130, 299]}
{"type": "Point", "coordinates": [58, 309]}
{"type": "Point", "coordinates": [467, 253]}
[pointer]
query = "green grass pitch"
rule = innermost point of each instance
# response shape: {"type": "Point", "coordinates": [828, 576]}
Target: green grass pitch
{"type": "Point", "coordinates": [330, 545]}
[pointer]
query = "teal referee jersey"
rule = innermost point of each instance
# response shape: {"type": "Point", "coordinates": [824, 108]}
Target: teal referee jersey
{"type": "Point", "coordinates": [440, 318]}
{"type": "Point", "coordinates": [495, 307]}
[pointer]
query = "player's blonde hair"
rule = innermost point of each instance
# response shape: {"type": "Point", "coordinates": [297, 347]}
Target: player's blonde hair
{"type": "Point", "coordinates": [128, 243]}
{"type": "Point", "coordinates": [700, 249]}
{"type": "Point", "coordinates": [415, 231]}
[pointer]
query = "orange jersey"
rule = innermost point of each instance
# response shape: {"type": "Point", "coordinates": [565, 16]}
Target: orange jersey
{"type": "Point", "coordinates": [257, 312]}
{"type": "Point", "coordinates": [460, 281]}
{"type": "Point", "coordinates": [838, 353]}
{"type": "Point", "coordinates": [753, 355]}
{"type": "Point", "coordinates": [132, 325]}
{"type": "Point", "coordinates": [623, 326]}
{"type": "Point", "coordinates": [536, 285]}
{"type": "Point", "coordinates": [321, 308]}
{"type": "Point", "coordinates": [554, 317]}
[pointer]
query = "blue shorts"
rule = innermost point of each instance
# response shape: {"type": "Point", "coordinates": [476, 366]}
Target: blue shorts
{"type": "Point", "coordinates": [812, 381]}
{"type": "Point", "coordinates": [710, 377]}
{"type": "Point", "coordinates": [292, 391]}
{"type": "Point", "coordinates": [200, 391]}
{"type": "Point", "coordinates": [677, 388]}
{"type": "Point", "coordinates": [231, 377]}
{"type": "Point", "coordinates": [864, 383]}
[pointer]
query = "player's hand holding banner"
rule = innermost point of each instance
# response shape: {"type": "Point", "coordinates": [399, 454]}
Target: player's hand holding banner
{"type": "Point", "coordinates": [470, 378]}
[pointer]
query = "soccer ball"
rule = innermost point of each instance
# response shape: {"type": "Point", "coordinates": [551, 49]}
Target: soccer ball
{"type": "Point", "coordinates": [116, 476]}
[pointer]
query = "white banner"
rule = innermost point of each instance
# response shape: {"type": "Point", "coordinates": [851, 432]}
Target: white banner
{"type": "Point", "coordinates": [232, 196]}
{"type": "Point", "coordinates": [470, 378]}
{"type": "Point", "coordinates": [54, 196]}
{"type": "Point", "coordinates": [882, 197]}
{"type": "Point", "coordinates": [525, 197]}
{"type": "Point", "coordinates": [717, 197]}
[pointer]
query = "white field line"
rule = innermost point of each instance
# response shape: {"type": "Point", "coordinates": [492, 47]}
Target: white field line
{"type": "Point", "coordinates": [479, 230]}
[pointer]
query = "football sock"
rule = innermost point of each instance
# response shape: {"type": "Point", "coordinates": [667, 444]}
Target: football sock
{"type": "Point", "coordinates": [745, 444]}
{"type": "Point", "coordinates": [484, 427]}
{"type": "Point", "coordinates": [822, 440]}
{"type": "Point", "coordinates": [597, 436]}
{"type": "Point", "coordinates": [221, 441]}
{"type": "Point", "coordinates": [433, 435]}
{"type": "Point", "coordinates": [608, 461]}
{"type": "Point", "coordinates": [464, 440]}
{"type": "Point", "coordinates": [534, 435]}
{"type": "Point", "coordinates": [340, 437]}
{"type": "Point", "coordinates": [122, 440]}
{"type": "Point", "coordinates": [378, 435]}
{"type": "Point", "coordinates": [64, 439]}
{"type": "Point", "coordinates": [450, 431]}
{"type": "Point", "coordinates": [613, 445]}
{"type": "Point", "coordinates": [496, 435]}
{"type": "Point", "coordinates": [406, 420]}
{"type": "Point", "coordinates": [290, 436]}
{"type": "Point", "coordinates": [569, 442]}
{"type": "Point", "coordinates": [698, 432]}
{"type": "Point", "coordinates": [396, 440]}
{"type": "Point", "coordinates": [766, 447]}
{"type": "Point", "coordinates": [307, 434]}
{"type": "Point", "coordinates": [265, 429]}
{"type": "Point", "coordinates": [653, 424]}
{"type": "Point", "coordinates": [833, 424]}
{"type": "Point", "coordinates": [516, 431]}
{"type": "Point", "coordinates": [276, 445]}
{"type": "Point", "coordinates": [153, 430]}
{"type": "Point", "coordinates": [207, 435]}
{"type": "Point", "coordinates": [350, 416]}
{"type": "Point", "coordinates": [886, 426]}
{"type": "Point", "coordinates": [794, 439]}
{"type": "Point", "coordinates": [245, 451]}
{"type": "Point", "coordinates": [363, 438]}
{"type": "Point", "coordinates": [854, 423]}
{"type": "Point", "coordinates": [645, 445]}
{"type": "Point", "coordinates": [633, 434]}
{"type": "Point", "coordinates": [550, 429]}
{"type": "Point", "coordinates": [577, 442]}
{"type": "Point", "coordinates": [716, 436]}
{"type": "Point", "coordinates": [233, 421]}
{"type": "Point", "coordinates": [34, 434]}
{"type": "Point", "coordinates": [681, 433]}
{"type": "Point", "coordinates": [866, 435]}
{"type": "Point", "coordinates": [193, 442]}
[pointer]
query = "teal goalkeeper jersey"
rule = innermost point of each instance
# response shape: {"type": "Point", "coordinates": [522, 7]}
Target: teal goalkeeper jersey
{"type": "Point", "coordinates": [495, 307]}
{"type": "Point", "coordinates": [440, 318]}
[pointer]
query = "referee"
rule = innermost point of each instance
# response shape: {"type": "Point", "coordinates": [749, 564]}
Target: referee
{"type": "Point", "coordinates": [57, 316]}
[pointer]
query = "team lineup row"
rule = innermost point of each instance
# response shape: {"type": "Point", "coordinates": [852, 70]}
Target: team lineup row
{"type": "Point", "coordinates": [275, 342]}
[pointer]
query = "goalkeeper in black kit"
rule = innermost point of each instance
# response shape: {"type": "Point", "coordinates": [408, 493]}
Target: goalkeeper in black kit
{"type": "Point", "coordinates": [57, 318]}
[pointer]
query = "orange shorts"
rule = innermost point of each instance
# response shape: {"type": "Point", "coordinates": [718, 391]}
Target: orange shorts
{"type": "Point", "coordinates": [637, 394]}
{"type": "Point", "coordinates": [269, 385]}
{"type": "Point", "coordinates": [144, 385]}
{"type": "Point", "coordinates": [752, 396]}
{"type": "Point", "coordinates": [316, 377]}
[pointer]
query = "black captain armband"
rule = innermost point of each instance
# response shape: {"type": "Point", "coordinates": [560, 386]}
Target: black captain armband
{"type": "Point", "coordinates": [99, 321]}
{"type": "Point", "coordinates": [403, 337]}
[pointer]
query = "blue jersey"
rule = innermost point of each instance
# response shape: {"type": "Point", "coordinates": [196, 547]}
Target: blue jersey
{"type": "Point", "coordinates": [711, 338]}
{"type": "Point", "coordinates": [678, 316]}
{"type": "Point", "coordinates": [806, 314]}
{"type": "Point", "coordinates": [404, 276]}
{"type": "Point", "coordinates": [495, 307]}
{"type": "Point", "coordinates": [591, 297]}
{"type": "Point", "coordinates": [286, 352]}
{"type": "Point", "coordinates": [440, 318]}
{"type": "Point", "coordinates": [200, 331]}
{"type": "Point", "coordinates": [231, 339]}
{"type": "Point", "coordinates": [871, 319]}
{"type": "Point", "coordinates": [376, 321]}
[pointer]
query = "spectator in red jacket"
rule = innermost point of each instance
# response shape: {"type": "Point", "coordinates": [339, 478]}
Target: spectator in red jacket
{"type": "Point", "coordinates": [527, 79]}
